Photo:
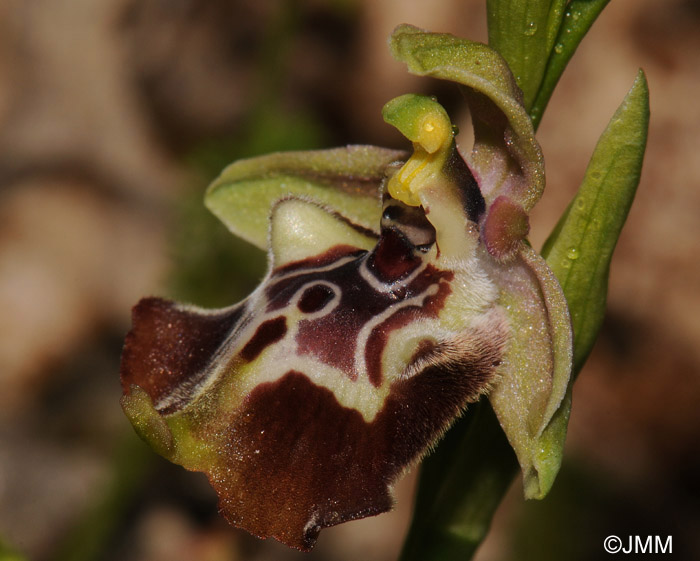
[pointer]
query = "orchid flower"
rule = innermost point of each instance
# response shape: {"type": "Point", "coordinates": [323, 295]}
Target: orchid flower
{"type": "Point", "coordinates": [400, 288]}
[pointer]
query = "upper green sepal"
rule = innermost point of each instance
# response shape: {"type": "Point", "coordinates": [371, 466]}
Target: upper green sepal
{"type": "Point", "coordinates": [506, 158]}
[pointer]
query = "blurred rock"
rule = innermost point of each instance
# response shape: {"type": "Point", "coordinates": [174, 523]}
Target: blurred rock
{"type": "Point", "coordinates": [71, 260]}
{"type": "Point", "coordinates": [71, 105]}
{"type": "Point", "coordinates": [43, 486]}
{"type": "Point", "coordinates": [193, 63]}
{"type": "Point", "coordinates": [165, 534]}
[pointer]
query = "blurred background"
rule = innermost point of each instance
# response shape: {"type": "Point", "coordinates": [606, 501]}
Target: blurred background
{"type": "Point", "coordinates": [115, 115]}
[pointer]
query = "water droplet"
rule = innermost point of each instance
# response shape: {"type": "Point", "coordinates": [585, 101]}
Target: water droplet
{"type": "Point", "coordinates": [455, 130]}
{"type": "Point", "coordinates": [531, 29]}
{"type": "Point", "coordinates": [575, 15]}
{"type": "Point", "coordinates": [559, 48]}
{"type": "Point", "coordinates": [433, 97]}
{"type": "Point", "coordinates": [580, 204]}
{"type": "Point", "coordinates": [595, 175]}
{"type": "Point", "coordinates": [572, 253]}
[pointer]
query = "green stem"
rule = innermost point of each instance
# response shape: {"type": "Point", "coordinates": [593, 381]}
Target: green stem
{"type": "Point", "coordinates": [461, 485]}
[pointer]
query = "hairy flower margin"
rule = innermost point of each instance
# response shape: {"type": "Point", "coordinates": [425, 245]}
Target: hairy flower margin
{"type": "Point", "coordinates": [400, 288]}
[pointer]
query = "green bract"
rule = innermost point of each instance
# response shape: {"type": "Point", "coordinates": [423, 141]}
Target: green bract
{"type": "Point", "coordinates": [580, 248]}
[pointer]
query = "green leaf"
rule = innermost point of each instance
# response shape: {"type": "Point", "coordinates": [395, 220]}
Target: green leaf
{"type": "Point", "coordinates": [580, 249]}
{"type": "Point", "coordinates": [524, 33]}
{"type": "Point", "coordinates": [580, 15]}
{"type": "Point", "coordinates": [341, 178]}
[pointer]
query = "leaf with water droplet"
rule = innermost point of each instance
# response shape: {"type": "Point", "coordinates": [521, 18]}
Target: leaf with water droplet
{"type": "Point", "coordinates": [531, 29]}
{"type": "Point", "coordinates": [572, 253]}
{"type": "Point", "coordinates": [580, 249]}
{"type": "Point", "coordinates": [524, 32]}
{"type": "Point", "coordinates": [577, 21]}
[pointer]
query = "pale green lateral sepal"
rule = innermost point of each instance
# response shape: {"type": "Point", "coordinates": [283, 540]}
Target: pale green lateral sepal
{"type": "Point", "coordinates": [301, 229]}
{"type": "Point", "coordinates": [343, 179]}
{"type": "Point", "coordinates": [536, 367]}
{"type": "Point", "coordinates": [581, 247]}
{"type": "Point", "coordinates": [506, 159]}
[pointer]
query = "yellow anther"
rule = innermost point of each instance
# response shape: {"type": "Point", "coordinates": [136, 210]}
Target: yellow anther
{"type": "Point", "coordinates": [423, 121]}
{"type": "Point", "coordinates": [435, 132]}
{"type": "Point", "coordinates": [401, 186]}
{"type": "Point", "coordinates": [429, 151]}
